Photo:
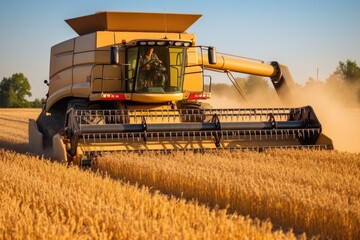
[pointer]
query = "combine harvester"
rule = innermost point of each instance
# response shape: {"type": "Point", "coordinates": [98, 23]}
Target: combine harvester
{"type": "Point", "coordinates": [127, 85]}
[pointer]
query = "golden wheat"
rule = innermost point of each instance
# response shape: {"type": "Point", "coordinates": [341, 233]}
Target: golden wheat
{"type": "Point", "coordinates": [43, 200]}
{"type": "Point", "coordinates": [14, 127]}
{"type": "Point", "coordinates": [312, 191]}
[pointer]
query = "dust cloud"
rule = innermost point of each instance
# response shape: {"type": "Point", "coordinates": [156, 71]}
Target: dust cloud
{"type": "Point", "coordinates": [337, 109]}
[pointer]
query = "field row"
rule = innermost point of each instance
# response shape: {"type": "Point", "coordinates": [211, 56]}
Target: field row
{"type": "Point", "coordinates": [316, 192]}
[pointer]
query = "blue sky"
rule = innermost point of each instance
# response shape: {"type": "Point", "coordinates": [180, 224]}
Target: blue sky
{"type": "Point", "coordinates": [305, 35]}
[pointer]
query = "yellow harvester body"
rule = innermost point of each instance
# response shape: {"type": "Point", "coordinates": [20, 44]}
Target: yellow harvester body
{"type": "Point", "coordinates": [107, 92]}
{"type": "Point", "coordinates": [72, 68]}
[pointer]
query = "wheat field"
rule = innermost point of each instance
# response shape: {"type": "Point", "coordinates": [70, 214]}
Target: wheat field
{"type": "Point", "coordinates": [41, 199]}
{"type": "Point", "coordinates": [44, 200]}
{"type": "Point", "coordinates": [218, 195]}
{"type": "Point", "coordinates": [316, 192]}
{"type": "Point", "coordinates": [14, 127]}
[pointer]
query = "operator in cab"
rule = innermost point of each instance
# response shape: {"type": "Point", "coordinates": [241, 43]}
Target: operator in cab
{"type": "Point", "coordinates": [151, 69]}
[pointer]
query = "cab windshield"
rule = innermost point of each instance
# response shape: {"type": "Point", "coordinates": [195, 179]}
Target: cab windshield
{"type": "Point", "coordinates": [156, 69]}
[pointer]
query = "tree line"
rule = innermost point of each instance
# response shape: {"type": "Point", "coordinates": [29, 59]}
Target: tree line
{"type": "Point", "coordinates": [15, 90]}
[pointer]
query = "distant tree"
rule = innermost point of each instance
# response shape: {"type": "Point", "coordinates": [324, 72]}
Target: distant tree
{"type": "Point", "coordinates": [220, 87]}
{"type": "Point", "coordinates": [345, 81]}
{"type": "Point", "coordinates": [349, 70]}
{"type": "Point", "coordinates": [255, 84]}
{"type": "Point", "coordinates": [312, 83]}
{"type": "Point", "coordinates": [248, 85]}
{"type": "Point", "coordinates": [13, 91]}
{"type": "Point", "coordinates": [37, 103]}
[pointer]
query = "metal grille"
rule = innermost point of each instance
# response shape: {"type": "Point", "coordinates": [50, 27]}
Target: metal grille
{"type": "Point", "coordinates": [169, 116]}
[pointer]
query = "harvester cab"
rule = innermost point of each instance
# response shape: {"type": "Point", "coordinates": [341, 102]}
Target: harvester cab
{"type": "Point", "coordinates": [153, 66]}
{"type": "Point", "coordinates": [126, 85]}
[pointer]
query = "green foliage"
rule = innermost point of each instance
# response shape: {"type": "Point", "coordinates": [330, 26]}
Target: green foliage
{"type": "Point", "coordinates": [349, 70]}
{"type": "Point", "coordinates": [37, 103]}
{"type": "Point", "coordinates": [250, 85]}
{"type": "Point", "coordinates": [13, 91]}
{"type": "Point", "coordinates": [255, 84]}
{"type": "Point", "coordinates": [311, 82]}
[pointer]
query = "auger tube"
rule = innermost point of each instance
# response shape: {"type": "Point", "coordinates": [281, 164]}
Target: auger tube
{"type": "Point", "coordinates": [278, 73]}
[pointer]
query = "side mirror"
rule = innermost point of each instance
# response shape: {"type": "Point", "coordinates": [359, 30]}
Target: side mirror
{"type": "Point", "coordinates": [212, 55]}
{"type": "Point", "coordinates": [115, 54]}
